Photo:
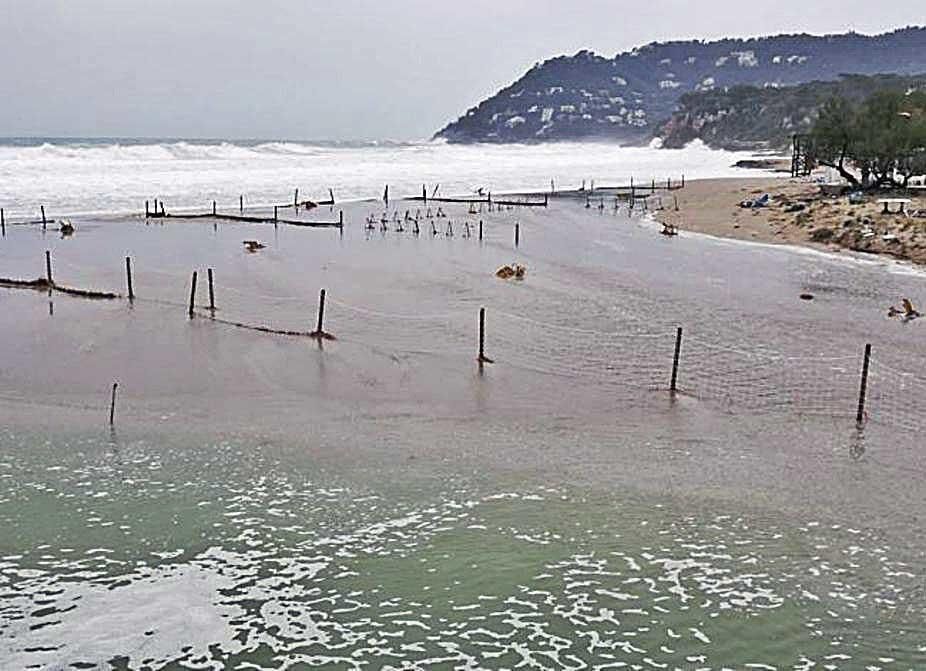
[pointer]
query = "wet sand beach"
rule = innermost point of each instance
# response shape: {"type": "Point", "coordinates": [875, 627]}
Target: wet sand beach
{"type": "Point", "coordinates": [799, 214]}
{"type": "Point", "coordinates": [381, 499]}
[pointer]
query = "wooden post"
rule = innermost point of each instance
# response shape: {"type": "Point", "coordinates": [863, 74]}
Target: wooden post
{"type": "Point", "coordinates": [331, 195]}
{"type": "Point", "coordinates": [482, 358]}
{"type": "Point", "coordinates": [341, 220]}
{"type": "Point", "coordinates": [424, 193]}
{"type": "Point", "coordinates": [147, 212]}
{"type": "Point", "coordinates": [211, 292]}
{"type": "Point", "coordinates": [274, 212]}
{"type": "Point", "coordinates": [517, 234]}
{"type": "Point", "coordinates": [631, 182]}
{"type": "Point", "coordinates": [241, 204]}
{"type": "Point", "coordinates": [863, 390]}
{"type": "Point", "coordinates": [48, 275]}
{"type": "Point", "coordinates": [213, 208]}
{"type": "Point", "coordinates": [546, 202]}
{"type": "Point", "coordinates": [668, 183]}
{"type": "Point", "coordinates": [678, 350]}
{"type": "Point", "coordinates": [480, 229]}
{"type": "Point", "coordinates": [653, 186]}
{"type": "Point", "coordinates": [44, 223]}
{"type": "Point", "coordinates": [675, 199]}
{"type": "Point", "coordinates": [163, 213]}
{"type": "Point", "coordinates": [683, 181]}
{"type": "Point", "coordinates": [112, 405]}
{"type": "Point", "coordinates": [128, 277]}
{"type": "Point", "coordinates": [296, 199]}
{"type": "Point", "coordinates": [2, 222]}
{"type": "Point", "coordinates": [319, 331]}
{"type": "Point", "coordinates": [192, 294]}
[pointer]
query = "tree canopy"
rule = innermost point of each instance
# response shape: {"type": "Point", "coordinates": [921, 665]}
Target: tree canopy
{"type": "Point", "coordinates": [879, 143]}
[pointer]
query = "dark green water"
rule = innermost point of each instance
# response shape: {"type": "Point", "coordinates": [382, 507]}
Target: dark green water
{"type": "Point", "coordinates": [143, 552]}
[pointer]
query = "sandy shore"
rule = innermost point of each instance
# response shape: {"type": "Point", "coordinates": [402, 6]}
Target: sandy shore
{"type": "Point", "coordinates": [797, 214]}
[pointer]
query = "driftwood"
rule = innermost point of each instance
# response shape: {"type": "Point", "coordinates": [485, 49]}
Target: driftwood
{"type": "Point", "coordinates": [42, 284]}
{"type": "Point", "coordinates": [257, 220]}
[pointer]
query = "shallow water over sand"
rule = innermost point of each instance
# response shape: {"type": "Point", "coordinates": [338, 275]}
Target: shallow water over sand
{"type": "Point", "coordinates": [381, 501]}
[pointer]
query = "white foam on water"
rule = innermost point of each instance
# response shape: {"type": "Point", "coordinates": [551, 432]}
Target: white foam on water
{"type": "Point", "coordinates": [148, 618]}
{"type": "Point", "coordinates": [82, 178]}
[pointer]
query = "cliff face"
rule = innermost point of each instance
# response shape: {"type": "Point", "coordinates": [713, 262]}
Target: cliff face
{"type": "Point", "coordinates": [749, 117]}
{"type": "Point", "coordinates": [628, 97]}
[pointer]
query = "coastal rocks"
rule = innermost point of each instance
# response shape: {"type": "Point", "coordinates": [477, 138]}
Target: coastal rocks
{"type": "Point", "coordinates": [822, 234]}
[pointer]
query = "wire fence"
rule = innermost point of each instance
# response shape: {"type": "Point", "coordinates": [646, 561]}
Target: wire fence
{"type": "Point", "coordinates": [631, 354]}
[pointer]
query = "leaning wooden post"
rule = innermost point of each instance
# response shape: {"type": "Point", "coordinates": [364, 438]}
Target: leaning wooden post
{"type": "Point", "coordinates": [517, 234]}
{"type": "Point", "coordinates": [863, 390]}
{"type": "Point", "coordinates": [128, 277]}
{"type": "Point", "coordinates": [48, 275]}
{"type": "Point", "coordinates": [678, 351]}
{"type": "Point", "coordinates": [482, 358]}
{"type": "Point", "coordinates": [319, 332]}
{"type": "Point", "coordinates": [211, 292]}
{"type": "Point", "coordinates": [44, 222]}
{"type": "Point", "coordinates": [112, 405]}
{"type": "Point", "coordinates": [192, 294]}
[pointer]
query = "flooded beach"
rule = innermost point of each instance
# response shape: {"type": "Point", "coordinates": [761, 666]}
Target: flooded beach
{"type": "Point", "coordinates": [383, 501]}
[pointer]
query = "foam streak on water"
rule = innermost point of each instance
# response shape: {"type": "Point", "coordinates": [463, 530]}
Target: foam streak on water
{"type": "Point", "coordinates": [83, 177]}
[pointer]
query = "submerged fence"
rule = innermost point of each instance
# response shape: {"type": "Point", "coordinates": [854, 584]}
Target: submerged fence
{"type": "Point", "coordinates": [634, 355]}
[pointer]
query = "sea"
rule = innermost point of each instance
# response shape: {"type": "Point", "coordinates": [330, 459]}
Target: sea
{"type": "Point", "coordinates": [116, 176]}
{"type": "Point", "coordinates": [382, 500]}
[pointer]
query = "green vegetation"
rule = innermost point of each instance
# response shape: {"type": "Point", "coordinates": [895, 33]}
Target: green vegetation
{"type": "Point", "coordinates": [882, 140]}
{"type": "Point", "coordinates": [755, 117]}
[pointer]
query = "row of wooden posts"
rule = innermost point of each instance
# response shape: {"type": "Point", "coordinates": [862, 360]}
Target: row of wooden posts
{"type": "Point", "coordinates": [320, 334]}
{"type": "Point", "coordinates": [481, 357]}
{"type": "Point", "coordinates": [160, 213]}
{"type": "Point", "coordinates": [45, 220]}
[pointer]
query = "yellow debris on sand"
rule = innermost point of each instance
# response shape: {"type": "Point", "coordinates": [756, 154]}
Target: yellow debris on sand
{"type": "Point", "coordinates": [514, 271]}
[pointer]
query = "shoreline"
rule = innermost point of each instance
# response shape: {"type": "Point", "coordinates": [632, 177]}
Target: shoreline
{"type": "Point", "coordinates": [797, 215]}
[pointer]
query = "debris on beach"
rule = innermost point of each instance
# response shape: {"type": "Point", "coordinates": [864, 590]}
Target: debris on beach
{"type": "Point", "coordinates": [906, 312]}
{"type": "Point", "coordinates": [754, 203]}
{"type": "Point", "coordinates": [253, 245]}
{"type": "Point", "coordinates": [669, 230]}
{"type": "Point", "coordinates": [806, 297]}
{"type": "Point", "coordinates": [514, 271]}
{"type": "Point", "coordinates": [67, 228]}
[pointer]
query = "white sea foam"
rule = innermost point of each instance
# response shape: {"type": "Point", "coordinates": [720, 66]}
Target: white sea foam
{"type": "Point", "coordinates": [93, 177]}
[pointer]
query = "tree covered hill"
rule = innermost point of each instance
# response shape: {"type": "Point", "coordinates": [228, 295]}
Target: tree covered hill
{"type": "Point", "coordinates": [750, 117]}
{"type": "Point", "coordinates": [630, 96]}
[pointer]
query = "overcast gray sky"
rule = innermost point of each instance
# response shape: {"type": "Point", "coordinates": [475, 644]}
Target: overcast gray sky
{"type": "Point", "coordinates": [334, 69]}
